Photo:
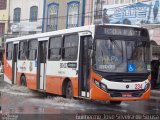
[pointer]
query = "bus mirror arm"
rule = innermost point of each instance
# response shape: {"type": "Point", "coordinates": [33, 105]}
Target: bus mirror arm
{"type": "Point", "coordinates": [90, 50]}
{"type": "Point", "coordinates": [90, 47]}
{"type": "Point", "coordinates": [90, 53]}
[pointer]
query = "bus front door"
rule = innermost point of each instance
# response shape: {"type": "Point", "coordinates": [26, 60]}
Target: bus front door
{"type": "Point", "coordinates": [41, 65]}
{"type": "Point", "coordinates": [84, 66]}
{"type": "Point", "coordinates": [14, 63]}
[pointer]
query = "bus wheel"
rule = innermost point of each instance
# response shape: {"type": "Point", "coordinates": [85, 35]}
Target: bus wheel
{"type": "Point", "coordinates": [115, 102]}
{"type": "Point", "coordinates": [23, 81]}
{"type": "Point", "coordinates": [69, 90]}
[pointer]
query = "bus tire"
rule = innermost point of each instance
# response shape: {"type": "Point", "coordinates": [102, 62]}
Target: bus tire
{"type": "Point", "coordinates": [69, 90]}
{"type": "Point", "coordinates": [23, 80]}
{"type": "Point", "coordinates": [115, 102]}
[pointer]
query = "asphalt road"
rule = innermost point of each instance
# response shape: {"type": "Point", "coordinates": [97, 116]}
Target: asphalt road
{"type": "Point", "coordinates": [20, 103]}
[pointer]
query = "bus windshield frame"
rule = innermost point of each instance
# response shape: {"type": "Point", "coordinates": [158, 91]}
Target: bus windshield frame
{"type": "Point", "coordinates": [116, 53]}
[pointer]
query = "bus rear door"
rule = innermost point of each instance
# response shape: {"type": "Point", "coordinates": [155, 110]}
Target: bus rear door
{"type": "Point", "coordinates": [14, 63]}
{"type": "Point", "coordinates": [41, 63]}
{"type": "Point", "coordinates": [84, 64]}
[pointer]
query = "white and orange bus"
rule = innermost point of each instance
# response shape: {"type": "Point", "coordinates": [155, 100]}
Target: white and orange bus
{"type": "Point", "coordinates": [97, 62]}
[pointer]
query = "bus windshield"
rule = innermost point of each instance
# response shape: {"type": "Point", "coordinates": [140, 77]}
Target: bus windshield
{"type": "Point", "coordinates": [121, 55]}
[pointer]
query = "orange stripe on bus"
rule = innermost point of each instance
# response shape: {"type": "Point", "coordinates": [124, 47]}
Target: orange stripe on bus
{"type": "Point", "coordinates": [7, 69]}
{"type": "Point", "coordinates": [31, 80]}
{"type": "Point", "coordinates": [54, 85]}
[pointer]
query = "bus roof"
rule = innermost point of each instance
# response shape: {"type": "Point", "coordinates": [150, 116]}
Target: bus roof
{"type": "Point", "coordinates": [64, 31]}
{"type": "Point", "coordinates": [52, 33]}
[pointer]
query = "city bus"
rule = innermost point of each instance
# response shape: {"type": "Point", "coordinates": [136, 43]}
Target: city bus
{"type": "Point", "coordinates": [97, 62]}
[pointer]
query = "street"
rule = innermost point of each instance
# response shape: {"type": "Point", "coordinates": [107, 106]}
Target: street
{"type": "Point", "coordinates": [20, 103]}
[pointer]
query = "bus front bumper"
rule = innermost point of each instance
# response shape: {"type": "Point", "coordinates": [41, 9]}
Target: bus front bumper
{"type": "Point", "coordinates": [117, 91]}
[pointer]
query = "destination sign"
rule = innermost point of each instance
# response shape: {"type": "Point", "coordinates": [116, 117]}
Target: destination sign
{"type": "Point", "coordinates": [123, 31]}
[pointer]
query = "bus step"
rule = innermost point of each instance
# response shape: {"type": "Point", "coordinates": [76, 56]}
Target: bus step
{"type": "Point", "coordinates": [40, 90]}
{"type": "Point", "coordinates": [83, 94]}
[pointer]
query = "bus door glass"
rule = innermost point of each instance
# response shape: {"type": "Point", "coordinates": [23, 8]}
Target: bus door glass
{"type": "Point", "coordinates": [84, 65]}
{"type": "Point", "coordinates": [42, 55]}
{"type": "Point", "coordinates": [14, 63]}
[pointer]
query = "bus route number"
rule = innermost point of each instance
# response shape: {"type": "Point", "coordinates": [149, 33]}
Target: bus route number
{"type": "Point", "coordinates": [138, 86]}
{"type": "Point", "coordinates": [63, 65]}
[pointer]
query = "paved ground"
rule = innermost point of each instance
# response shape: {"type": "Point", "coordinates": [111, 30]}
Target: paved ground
{"type": "Point", "coordinates": [22, 103]}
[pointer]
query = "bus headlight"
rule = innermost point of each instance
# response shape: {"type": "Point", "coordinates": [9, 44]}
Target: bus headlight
{"type": "Point", "coordinates": [103, 87]}
{"type": "Point", "coordinates": [100, 85]}
{"type": "Point", "coordinates": [147, 86]}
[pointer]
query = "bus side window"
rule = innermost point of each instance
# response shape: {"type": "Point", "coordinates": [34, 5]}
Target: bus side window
{"type": "Point", "coordinates": [23, 48]}
{"type": "Point", "coordinates": [70, 49]}
{"type": "Point", "coordinates": [9, 51]}
{"type": "Point", "coordinates": [32, 52]}
{"type": "Point", "coordinates": [55, 45]}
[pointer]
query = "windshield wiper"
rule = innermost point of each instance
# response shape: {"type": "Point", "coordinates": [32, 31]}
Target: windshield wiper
{"type": "Point", "coordinates": [115, 43]}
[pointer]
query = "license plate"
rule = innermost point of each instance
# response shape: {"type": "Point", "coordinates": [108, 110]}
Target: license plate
{"type": "Point", "coordinates": [126, 95]}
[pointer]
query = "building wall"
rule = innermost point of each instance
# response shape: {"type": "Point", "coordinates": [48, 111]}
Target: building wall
{"type": "Point", "coordinates": [25, 26]}
{"type": "Point", "coordinates": [148, 21]}
{"type": "Point", "coordinates": [145, 15]}
{"type": "Point", "coordinates": [4, 16]}
{"type": "Point", "coordinates": [88, 12]}
{"type": "Point", "coordinates": [62, 13]}
{"type": "Point", "coordinates": [4, 13]}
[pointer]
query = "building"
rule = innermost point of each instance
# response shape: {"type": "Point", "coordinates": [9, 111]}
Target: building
{"type": "Point", "coordinates": [26, 16]}
{"type": "Point", "coordinates": [88, 12]}
{"type": "Point", "coordinates": [4, 5]}
{"type": "Point", "coordinates": [62, 14]}
{"type": "Point", "coordinates": [144, 13]}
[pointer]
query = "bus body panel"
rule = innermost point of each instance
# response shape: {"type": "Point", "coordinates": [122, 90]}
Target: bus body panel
{"type": "Point", "coordinates": [57, 72]}
{"type": "Point", "coordinates": [29, 70]}
{"type": "Point", "coordinates": [98, 94]}
{"type": "Point", "coordinates": [54, 85]}
{"type": "Point", "coordinates": [31, 80]}
{"type": "Point", "coordinates": [8, 70]}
